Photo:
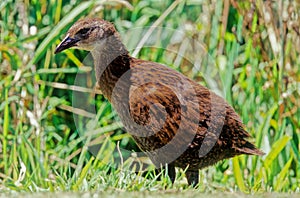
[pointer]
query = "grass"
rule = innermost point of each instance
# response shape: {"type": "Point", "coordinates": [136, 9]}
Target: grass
{"type": "Point", "coordinates": [230, 47]}
{"type": "Point", "coordinates": [152, 194]}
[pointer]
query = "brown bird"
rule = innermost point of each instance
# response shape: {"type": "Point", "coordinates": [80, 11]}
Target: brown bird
{"type": "Point", "coordinates": [174, 120]}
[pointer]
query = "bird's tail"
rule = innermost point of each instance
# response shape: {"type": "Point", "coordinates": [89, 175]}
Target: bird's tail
{"type": "Point", "coordinates": [249, 149]}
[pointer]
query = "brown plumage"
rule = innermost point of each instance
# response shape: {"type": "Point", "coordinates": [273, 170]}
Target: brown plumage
{"type": "Point", "coordinates": [175, 120]}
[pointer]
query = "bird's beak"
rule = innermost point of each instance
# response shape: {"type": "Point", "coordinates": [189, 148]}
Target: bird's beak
{"type": "Point", "coordinates": [66, 44]}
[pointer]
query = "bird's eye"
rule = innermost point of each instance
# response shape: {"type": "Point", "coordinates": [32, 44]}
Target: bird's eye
{"type": "Point", "coordinates": [83, 31]}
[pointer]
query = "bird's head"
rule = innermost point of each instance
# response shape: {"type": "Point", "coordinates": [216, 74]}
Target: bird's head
{"type": "Point", "coordinates": [86, 34]}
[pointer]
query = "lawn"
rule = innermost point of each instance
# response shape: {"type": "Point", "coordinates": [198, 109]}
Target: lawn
{"type": "Point", "coordinates": [58, 136]}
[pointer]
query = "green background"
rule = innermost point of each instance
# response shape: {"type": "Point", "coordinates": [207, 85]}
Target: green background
{"type": "Point", "coordinates": [250, 50]}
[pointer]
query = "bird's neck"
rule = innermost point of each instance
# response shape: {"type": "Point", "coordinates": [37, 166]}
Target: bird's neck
{"type": "Point", "coordinates": [111, 61]}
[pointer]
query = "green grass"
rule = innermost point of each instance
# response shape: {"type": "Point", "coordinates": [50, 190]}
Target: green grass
{"type": "Point", "coordinates": [43, 150]}
{"type": "Point", "coordinates": [173, 193]}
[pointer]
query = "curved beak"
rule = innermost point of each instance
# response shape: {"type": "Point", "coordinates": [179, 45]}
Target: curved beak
{"type": "Point", "coordinates": [66, 44]}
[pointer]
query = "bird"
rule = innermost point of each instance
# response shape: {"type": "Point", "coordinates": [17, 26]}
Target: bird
{"type": "Point", "coordinates": [176, 121]}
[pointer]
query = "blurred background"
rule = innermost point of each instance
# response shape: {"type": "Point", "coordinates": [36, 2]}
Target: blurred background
{"type": "Point", "coordinates": [248, 52]}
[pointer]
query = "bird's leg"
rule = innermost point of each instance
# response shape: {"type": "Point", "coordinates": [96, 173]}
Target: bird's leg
{"type": "Point", "coordinates": [171, 172]}
{"type": "Point", "coordinates": [170, 169]}
{"type": "Point", "coordinates": [192, 177]}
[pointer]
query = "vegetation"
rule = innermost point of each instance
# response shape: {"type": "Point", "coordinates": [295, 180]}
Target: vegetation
{"type": "Point", "coordinates": [246, 51]}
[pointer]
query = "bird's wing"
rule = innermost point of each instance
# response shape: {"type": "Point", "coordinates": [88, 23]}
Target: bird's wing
{"type": "Point", "coordinates": [164, 103]}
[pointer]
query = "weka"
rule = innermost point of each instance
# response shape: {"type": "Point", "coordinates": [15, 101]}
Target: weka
{"type": "Point", "coordinates": [175, 120]}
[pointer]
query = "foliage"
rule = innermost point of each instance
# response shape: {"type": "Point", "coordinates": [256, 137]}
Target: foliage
{"type": "Point", "coordinates": [251, 54]}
